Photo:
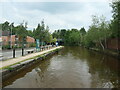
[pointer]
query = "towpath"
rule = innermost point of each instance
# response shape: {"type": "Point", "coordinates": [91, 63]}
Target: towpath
{"type": "Point", "coordinates": [19, 59]}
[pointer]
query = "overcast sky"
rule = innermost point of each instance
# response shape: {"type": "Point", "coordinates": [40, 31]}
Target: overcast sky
{"type": "Point", "coordinates": [57, 15]}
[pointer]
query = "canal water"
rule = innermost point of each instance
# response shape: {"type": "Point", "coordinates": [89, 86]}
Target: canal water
{"type": "Point", "coordinates": [72, 67]}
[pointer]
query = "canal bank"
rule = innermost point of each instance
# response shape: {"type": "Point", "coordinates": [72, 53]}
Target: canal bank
{"type": "Point", "coordinates": [12, 66]}
{"type": "Point", "coordinates": [113, 53]}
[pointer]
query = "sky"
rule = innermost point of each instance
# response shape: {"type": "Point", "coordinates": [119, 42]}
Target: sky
{"type": "Point", "coordinates": [57, 14]}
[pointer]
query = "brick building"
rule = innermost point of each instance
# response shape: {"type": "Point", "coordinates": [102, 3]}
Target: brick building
{"type": "Point", "coordinates": [15, 40]}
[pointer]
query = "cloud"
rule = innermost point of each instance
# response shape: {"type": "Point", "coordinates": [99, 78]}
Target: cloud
{"type": "Point", "coordinates": [55, 0]}
{"type": "Point", "coordinates": [57, 15]}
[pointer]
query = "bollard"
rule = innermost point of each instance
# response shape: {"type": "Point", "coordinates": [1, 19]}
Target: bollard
{"type": "Point", "coordinates": [22, 51]}
{"type": "Point", "coordinates": [13, 52]}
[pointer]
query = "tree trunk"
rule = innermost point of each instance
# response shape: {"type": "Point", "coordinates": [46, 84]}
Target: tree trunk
{"type": "Point", "coordinates": [105, 43]}
{"type": "Point", "coordinates": [102, 45]}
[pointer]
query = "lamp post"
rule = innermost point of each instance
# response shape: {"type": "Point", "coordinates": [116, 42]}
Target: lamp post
{"type": "Point", "coordinates": [23, 46]}
{"type": "Point", "coordinates": [11, 35]}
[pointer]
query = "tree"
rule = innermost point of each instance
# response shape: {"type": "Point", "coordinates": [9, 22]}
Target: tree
{"type": "Point", "coordinates": [5, 26]}
{"type": "Point", "coordinates": [82, 31]}
{"type": "Point", "coordinates": [116, 18]}
{"type": "Point", "coordinates": [30, 33]}
{"type": "Point", "coordinates": [82, 34]}
{"type": "Point", "coordinates": [69, 37]}
{"type": "Point", "coordinates": [21, 32]}
{"type": "Point", "coordinates": [14, 32]}
{"type": "Point", "coordinates": [54, 40]}
{"type": "Point", "coordinates": [74, 38]}
{"type": "Point", "coordinates": [99, 31]}
{"type": "Point", "coordinates": [42, 33]}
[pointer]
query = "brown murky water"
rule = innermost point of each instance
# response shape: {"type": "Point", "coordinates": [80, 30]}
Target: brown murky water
{"type": "Point", "coordinates": [73, 67]}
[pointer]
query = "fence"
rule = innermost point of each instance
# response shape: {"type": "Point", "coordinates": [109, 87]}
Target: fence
{"type": "Point", "coordinates": [113, 43]}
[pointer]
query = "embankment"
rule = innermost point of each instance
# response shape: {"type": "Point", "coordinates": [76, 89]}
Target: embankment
{"type": "Point", "coordinates": [112, 53]}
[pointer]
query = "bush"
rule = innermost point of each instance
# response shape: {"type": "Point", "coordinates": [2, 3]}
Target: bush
{"type": "Point", "coordinates": [32, 45]}
{"type": "Point", "coordinates": [6, 47]}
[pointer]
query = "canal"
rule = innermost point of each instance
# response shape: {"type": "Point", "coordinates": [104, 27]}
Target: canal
{"type": "Point", "coordinates": [72, 67]}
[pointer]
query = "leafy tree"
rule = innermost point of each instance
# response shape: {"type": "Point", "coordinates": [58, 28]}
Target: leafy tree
{"type": "Point", "coordinates": [54, 40]}
{"type": "Point", "coordinates": [42, 33]}
{"type": "Point", "coordinates": [56, 34]}
{"type": "Point", "coordinates": [62, 33]}
{"type": "Point", "coordinates": [74, 38]}
{"type": "Point", "coordinates": [5, 26]}
{"type": "Point", "coordinates": [82, 31]}
{"type": "Point", "coordinates": [21, 32]}
{"type": "Point", "coordinates": [98, 32]}
{"type": "Point", "coordinates": [70, 37]}
{"type": "Point", "coordinates": [30, 33]}
{"type": "Point", "coordinates": [82, 35]}
{"type": "Point", "coordinates": [116, 18]}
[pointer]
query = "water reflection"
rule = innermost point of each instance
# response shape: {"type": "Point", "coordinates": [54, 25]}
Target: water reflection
{"type": "Point", "coordinates": [73, 67]}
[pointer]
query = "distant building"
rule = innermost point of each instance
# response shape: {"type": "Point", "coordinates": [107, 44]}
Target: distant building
{"type": "Point", "coordinates": [13, 40]}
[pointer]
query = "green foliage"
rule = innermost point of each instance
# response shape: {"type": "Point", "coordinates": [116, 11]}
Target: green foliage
{"type": "Point", "coordinates": [56, 34]}
{"type": "Point", "coordinates": [42, 33]}
{"type": "Point", "coordinates": [115, 23]}
{"type": "Point", "coordinates": [5, 26]}
{"type": "Point", "coordinates": [5, 46]}
{"type": "Point", "coordinates": [32, 44]}
{"type": "Point", "coordinates": [21, 31]}
{"type": "Point", "coordinates": [82, 31]}
{"type": "Point", "coordinates": [30, 33]}
{"type": "Point", "coordinates": [82, 34]}
{"type": "Point", "coordinates": [54, 40]}
{"type": "Point", "coordinates": [74, 37]}
{"type": "Point", "coordinates": [98, 32]}
{"type": "Point", "coordinates": [70, 37]}
{"type": "Point", "coordinates": [101, 30]}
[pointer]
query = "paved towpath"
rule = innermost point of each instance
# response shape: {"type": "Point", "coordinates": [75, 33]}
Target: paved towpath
{"type": "Point", "coordinates": [8, 54]}
{"type": "Point", "coordinates": [19, 59]}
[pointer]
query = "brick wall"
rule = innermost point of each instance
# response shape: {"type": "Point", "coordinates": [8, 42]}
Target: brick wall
{"type": "Point", "coordinates": [113, 43]}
